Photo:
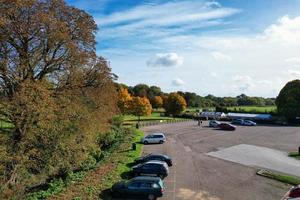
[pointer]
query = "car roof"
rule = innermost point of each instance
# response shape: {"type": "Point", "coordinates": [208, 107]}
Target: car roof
{"type": "Point", "coordinates": [155, 162]}
{"type": "Point", "coordinates": [158, 134]}
{"type": "Point", "coordinates": [146, 178]}
{"type": "Point", "coordinates": [157, 154]}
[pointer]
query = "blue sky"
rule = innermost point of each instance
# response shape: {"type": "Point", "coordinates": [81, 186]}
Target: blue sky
{"type": "Point", "coordinates": [224, 47]}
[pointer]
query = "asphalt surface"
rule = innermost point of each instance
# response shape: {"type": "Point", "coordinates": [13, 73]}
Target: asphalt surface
{"type": "Point", "coordinates": [260, 157]}
{"type": "Point", "coordinates": [198, 176]}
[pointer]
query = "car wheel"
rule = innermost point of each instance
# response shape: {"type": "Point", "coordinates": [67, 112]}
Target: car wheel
{"type": "Point", "coordinates": [161, 176]}
{"type": "Point", "coordinates": [145, 142]}
{"type": "Point", "coordinates": [151, 197]}
{"type": "Point", "coordinates": [160, 142]}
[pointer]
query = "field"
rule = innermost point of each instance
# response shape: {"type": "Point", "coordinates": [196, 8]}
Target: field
{"type": "Point", "coordinates": [253, 109]}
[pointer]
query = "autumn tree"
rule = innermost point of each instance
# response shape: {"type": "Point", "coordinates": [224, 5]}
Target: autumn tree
{"type": "Point", "coordinates": [124, 99]}
{"type": "Point", "coordinates": [288, 100]}
{"type": "Point", "coordinates": [157, 102]}
{"type": "Point", "coordinates": [175, 104]}
{"type": "Point", "coordinates": [140, 106]}
{"type": "Point", "coordinates": [54, 90]}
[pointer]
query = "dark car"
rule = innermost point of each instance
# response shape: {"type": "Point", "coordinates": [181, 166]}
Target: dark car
{"type": "Point", "coordinates": [151, 168]}
{"type": "Point", "coordinates": [141, 187]}
{"type": "Point", "coordinates": [159, 157]}
{"type": "Point", "coordinates": [228, 127]}
{"type": "Point", "coordinates": [237, 121]}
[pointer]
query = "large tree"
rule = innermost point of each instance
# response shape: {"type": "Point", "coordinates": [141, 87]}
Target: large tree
{"type": "Point", "coordinates": [54, 90]}
{"type": "Point", "coordinates": [175, 104]}
{"type": "Point", "coordinates": [288, 100]}
{"type": "Point", "coordinates": [140, 106]}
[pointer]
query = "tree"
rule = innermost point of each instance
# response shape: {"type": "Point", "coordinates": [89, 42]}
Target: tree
{"type": "Point", "coordinates": [141, 90]}
{"type": "Point", "coordinates": [154, 91]}
{"type": "Point", "coordinates": [51, 84]}
{"type": "Point", "coordinates": [175, 104]}
{"type": "Point", "coordinates": [140, 106]}
{"type": "Point", "coordinates": [157, 102]}
{"type": "Point", "coordinates": [288, 100]}
{"type": "Point", "coordinates": [124, 99]}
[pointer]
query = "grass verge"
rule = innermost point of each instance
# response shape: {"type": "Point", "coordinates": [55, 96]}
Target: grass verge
{"type": "Point", "coordinates": [294, 154]}
{"type": "Point", "coordinates": [112, 168]}
{"type": "Point", "coordinates": [292, 180]}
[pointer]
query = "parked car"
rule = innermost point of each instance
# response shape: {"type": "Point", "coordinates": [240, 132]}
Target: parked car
{"type": "Point", "coordinates": [159, 157]}
{"type": "Point", "coordinates": [226, 126]}
{"type": "Point", "coordinates": [142, 187]}
{"type": "Point", "coordinates": [293, 193]}
{"type": "Point", "coordinates": [214, 123]}
{"type": "Point", "coordinates": [249, 123]}
{"type": "Point", "coordinates": [237, 121]}
{"type": "Point", "coordinates": [154, 138]}
{"type": "Point", "coordinates": [151, 168]}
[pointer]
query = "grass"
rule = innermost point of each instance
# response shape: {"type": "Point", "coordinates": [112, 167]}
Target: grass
{"type": "Point", "coordinates": [5, 125]}
{"type": "Point", "coordinates": [113, 168]}
{"type": "Point", "coordinates": [259, 109]}
{"type": "Point", "coordinates": [294, 154]}
{"type": "Point", "coordinates": [292, 180]}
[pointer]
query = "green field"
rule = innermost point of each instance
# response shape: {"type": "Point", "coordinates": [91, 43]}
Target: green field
{"type": "Point", "coordinates": [258, 109]}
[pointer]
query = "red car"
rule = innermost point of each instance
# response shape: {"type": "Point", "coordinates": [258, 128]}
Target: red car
{"type": "Point", "coordinates": [228, 127]}
{"type": "Point", "coordinates": [294, 193]}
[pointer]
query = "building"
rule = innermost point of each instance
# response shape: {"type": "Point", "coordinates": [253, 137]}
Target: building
{"type": "Point", "coordinates": [249, 116]}
{"type": "Point", "coordinates": [212, 115]}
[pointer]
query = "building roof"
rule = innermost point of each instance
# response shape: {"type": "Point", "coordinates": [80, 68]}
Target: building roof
{"type": "Point", "coordinates": [247, 115]}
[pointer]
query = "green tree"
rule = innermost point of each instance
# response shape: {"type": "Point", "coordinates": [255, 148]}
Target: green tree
{"type": "Point", "coordinates": [288, 100]}
{"type": "Point", "coordinates": [175, 104]}
{"type": "Point", "coordinates": [141, 90]}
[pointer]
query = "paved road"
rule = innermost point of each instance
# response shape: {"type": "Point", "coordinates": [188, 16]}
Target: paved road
{"type": "Point", "coordinates": [261, 157]}
{"type": "Point", "coordinates": [198, 176]}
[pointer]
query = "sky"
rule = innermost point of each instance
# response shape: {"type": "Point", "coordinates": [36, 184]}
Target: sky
{"type": "Point", "coordinates": [224, 47]}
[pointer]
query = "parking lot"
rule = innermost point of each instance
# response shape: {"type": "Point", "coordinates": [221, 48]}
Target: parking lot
{"type": "Point", "coordinates": [197, 175]}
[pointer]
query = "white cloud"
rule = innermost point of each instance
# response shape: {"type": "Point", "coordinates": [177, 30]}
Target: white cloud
{"type": "Point", "coordinates": [165, 60]}
{"type": "Point", "coordinates": [294, 72]}
{"type": "Point", "coordinates": [178, 12]}
{"type": "Point", "coordinates": [242, 78]}
{"type": "Point", "coordinates": [178, 82]}
{"type": "Point", "coordinates": [219, 56]}
{"type": "Point", "coordinates": [293, 60]}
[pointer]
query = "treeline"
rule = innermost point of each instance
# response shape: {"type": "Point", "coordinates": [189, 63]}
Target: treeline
{"type": "Point", "coordinates": [197, 101]}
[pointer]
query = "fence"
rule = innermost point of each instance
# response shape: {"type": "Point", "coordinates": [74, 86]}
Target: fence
{"type": "Point", "coordinates": [152, 123]}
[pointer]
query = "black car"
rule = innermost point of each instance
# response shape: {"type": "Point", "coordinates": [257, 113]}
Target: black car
{"type": "Point", "coordinates": [159, 157]}
{"type": "Point", "coordinates": [151, 168]}
{"type": "Point", "coordinates": [142, 187]}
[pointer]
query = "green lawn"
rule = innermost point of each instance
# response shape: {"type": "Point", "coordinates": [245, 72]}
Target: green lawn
{"type": "Point", "coordinates": [280, 177]}
{"type": "Point", "coordinates": [294, 155]}
{"type": "Point", "coordinates": [258, 109]}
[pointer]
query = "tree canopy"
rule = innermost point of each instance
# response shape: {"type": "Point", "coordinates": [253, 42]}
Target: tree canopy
{"type": "Point", "coordinates": [288, 100]}
{"type": "Point", "coordinates": [175, 104]}
{"type": "Point", "coordinates": [54, 91]}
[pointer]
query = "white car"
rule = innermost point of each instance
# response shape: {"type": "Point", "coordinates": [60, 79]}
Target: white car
{"type": "Point", "coordinates": [214, 123]}
{"type": "Point", "coordinates": [154, 138]}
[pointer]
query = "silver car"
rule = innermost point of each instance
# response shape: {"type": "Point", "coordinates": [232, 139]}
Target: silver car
{"type": "Point", "coordinates": [214, 123]}
{"type": "Point", "coordinates": [154, 138]}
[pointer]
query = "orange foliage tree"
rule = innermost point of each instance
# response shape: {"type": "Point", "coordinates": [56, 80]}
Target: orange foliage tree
{"type": "Point", "coordinates": [157, 102]}
{"type": "Point", "coordinates": [175, 104]}
{"type": "Point", "coordinates": [124, 99]}
{"type": "Point", "coordinates": [140, 106]}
